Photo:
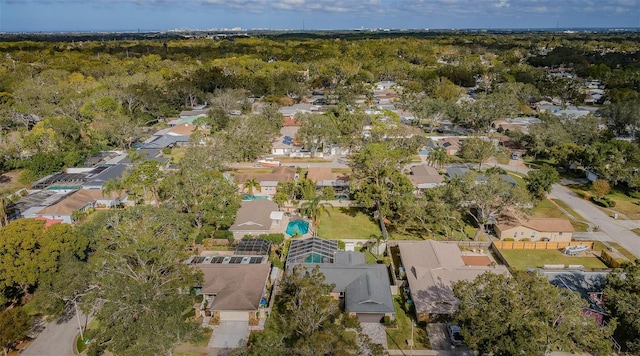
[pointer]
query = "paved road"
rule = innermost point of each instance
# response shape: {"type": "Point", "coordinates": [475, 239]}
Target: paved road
{"type": "Point", "coordinates": [618, 230]}
{"type": "Point", "coordinates": [56, 339]}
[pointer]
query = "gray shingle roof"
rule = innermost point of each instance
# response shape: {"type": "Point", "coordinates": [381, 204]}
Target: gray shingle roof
{"type": "Point", "coordinates": [366, 286]}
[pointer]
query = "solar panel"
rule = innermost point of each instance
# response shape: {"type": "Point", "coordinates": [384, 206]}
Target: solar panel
{"type": "Point", "coordinates": [217, 259]}
{"type": "Point", "coordinates": [235, 260]}
{"type": "Point", "coordinates": [254, 260]}
{"type": "Point", "coordinates": [197, 259]}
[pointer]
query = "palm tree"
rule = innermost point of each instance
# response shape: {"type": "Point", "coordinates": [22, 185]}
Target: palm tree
{"type": "Point", "coordinates": [312, 209]}
{"type": "Point", "coordinates": [437, 157]}
{"type": "Point", "coordinates": [250, 184]}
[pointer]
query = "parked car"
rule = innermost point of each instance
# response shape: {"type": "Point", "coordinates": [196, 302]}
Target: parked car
{"type": "Point", "coordinates": [454, 335]}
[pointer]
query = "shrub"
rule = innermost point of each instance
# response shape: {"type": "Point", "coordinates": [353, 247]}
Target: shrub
{"type": "Point", "coordinates": [509, 239]}
{"type": "Point", "coordinates": [601, 202]}
{"type": "Point", "coordinates": [275, 239]}
{"type": "Point", "coordinates": [390, 322]}
{"type": "Point", "coordinates": [166, 150]}
{"type": "Point", "coordinates": [351, 322]}
{"type": "Point", "coordinates": [341, 245]}
{"type": "Point", "coordinates": [223, 234]}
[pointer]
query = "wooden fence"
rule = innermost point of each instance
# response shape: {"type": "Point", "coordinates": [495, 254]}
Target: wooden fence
{"type": "Point", "coordinates": [538, 245]}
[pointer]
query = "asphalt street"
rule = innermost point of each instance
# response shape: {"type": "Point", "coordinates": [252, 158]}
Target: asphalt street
{"type": "Point", "coordinates": [56, 339]}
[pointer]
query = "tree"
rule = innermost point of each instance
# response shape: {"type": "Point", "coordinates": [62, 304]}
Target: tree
{"type": "Point", "coordinates": [525, 314]}
{"type": "Point", "coordinates": [539, 181]}
{"type": "Point", "coordinates": [14, 323]}
{"type": "Point", "coordinates": [477, 150]}
{"type": "Point", "coordinates": [377, 182]}
{"type": "Point", "coordinates": [313, 209]}
{"type": "Point", "coordinates": [437, 157]}
{"type": "Point", "coordinates": [146, 176]}
{"type": "Point", "coordinates": [142, 283]}
{"type": "Point", "coordinates": [622, 297]}
{"type": "Point", "coordinates": [487, 198]}
{"type": "Point", "coordinates": [28, 251]}
{"type": "Point", "coordinates": [204, 194]}
{"type": "Point", "coordinates": [601, 187]}
{"type": "Point", "coordinates": [315, 131]}
{"type": "Point", "coordinates": [251, 184]}
{"type": "Point", "coordinates": [305, 320]}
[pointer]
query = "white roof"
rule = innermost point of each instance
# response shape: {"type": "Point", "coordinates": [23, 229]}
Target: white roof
{"type": "Point", "coordinates": [276, 215]}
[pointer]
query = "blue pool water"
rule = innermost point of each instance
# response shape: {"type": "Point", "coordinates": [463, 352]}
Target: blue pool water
{"type": "Point", "coordinates": [301, 226]}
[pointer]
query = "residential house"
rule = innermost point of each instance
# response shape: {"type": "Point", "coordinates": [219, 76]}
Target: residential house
{"type": "Point", "coordinates": [521, 124]}
{"type": "Point", "coordinates": [232, 291]}
{"type": "Point", "coordinates": [450, 144]}
{"type": "Point", "coordinates": [589, 284]}
{"type": "Point", "coordinates": [255, 218]}
{"type": "Point", "coordinates": [534, 229]}
{"type": "Point", "coordinates": [268, 181]}
{"type": "Point", "coordinates": [285, 144]}
{"type": "Point", "coordinates": [324, 177]}
{"type": "Point", "coordinates": [432, 269]}
{"type": "Point", "coordinates": [363, 289]}
{"type": "Point", "coordinates": [425, 177]}
{"type": "Point", "coordinates": [80, 200]}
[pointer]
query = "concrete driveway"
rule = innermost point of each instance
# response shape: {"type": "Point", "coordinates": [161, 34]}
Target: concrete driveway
{"type": "Point", "coordinates": [229, 335]}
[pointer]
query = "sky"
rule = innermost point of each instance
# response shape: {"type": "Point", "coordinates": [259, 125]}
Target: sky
{"type": "Point", "coordinates": [144, 15]}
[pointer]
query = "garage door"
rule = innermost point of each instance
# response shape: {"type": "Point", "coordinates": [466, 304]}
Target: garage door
{"type": "Point", "coordinates": [231, 315]}
{"type": "Point", "coordinates": [370, 318]}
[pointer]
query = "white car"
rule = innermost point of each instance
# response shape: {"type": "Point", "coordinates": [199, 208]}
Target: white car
{"type": "Point", "coordinates": [454, 335]}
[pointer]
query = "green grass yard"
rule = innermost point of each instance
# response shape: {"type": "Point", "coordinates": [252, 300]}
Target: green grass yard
{"type": "Point", "coordinates": [547, 209]}
{"type": "Point", "coordinates": [397, 338]}
{"type": "Point", "coordinates": [523, 259]}
{"type": "Point", "coordinates": [347, 223]}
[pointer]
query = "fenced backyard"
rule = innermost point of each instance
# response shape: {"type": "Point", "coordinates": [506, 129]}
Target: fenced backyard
{"type": "Point", "coordinates": [520, 255]}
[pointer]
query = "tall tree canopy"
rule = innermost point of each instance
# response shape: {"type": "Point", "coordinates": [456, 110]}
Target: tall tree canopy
{"type": "Point", "coordinates": [28, 251]}
{"type": "Point", "coordinates": [525, 314]}
{"type": "Point", "coordinates": [622, 298]}
{"type": "Point", "coordinates": [143, 287]}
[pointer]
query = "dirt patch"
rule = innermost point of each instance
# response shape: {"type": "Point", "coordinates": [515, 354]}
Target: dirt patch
{"type": "Point", "coordinates": [10, 180]}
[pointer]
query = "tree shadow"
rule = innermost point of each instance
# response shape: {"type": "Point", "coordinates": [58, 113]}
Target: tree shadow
{"type": "Point", "coordinates": [352, 212]}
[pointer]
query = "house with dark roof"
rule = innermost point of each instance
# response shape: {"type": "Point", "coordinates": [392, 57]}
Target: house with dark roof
{"type": "Point", "coordinates": [434, 267]}
{"type": "Point", "coordinates": [534, 229]}
{"type": "Point", "coordinates": [255, 218]}
{"type": "Point", "coordinates": [364, 290]}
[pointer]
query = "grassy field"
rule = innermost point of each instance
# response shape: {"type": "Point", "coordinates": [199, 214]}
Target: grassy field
{"type": "Point", "coordinates": [256, 170]}
{"type": "Point", "coordinates": [518, 178]}
{"type": "Point", "coordinates": [347, 223]}
{"type": "Point", "coordinates": [177, 153]}
{"type": "Point", "coordinates": [397, 338]}
{"type": "Point", "coordinates": [547, 209]}
{"type": "Point", "coordinates": [341, 170]}
{"type": "Point", "coordinates": [523, 259]}
{"type": "Point", "coordinates": [625, 205]}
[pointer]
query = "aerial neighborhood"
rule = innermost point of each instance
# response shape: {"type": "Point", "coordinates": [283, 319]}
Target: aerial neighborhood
{"type": "Point", "coordinates": [460, 194]}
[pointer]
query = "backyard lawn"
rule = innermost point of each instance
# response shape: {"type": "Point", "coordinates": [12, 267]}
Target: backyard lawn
{"type": "Point", "coordinates": [347, 223]}
{"type": "Point", "coordinates": [397, 338]}
{"type": "Point", "coordinates": [523, 259]}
